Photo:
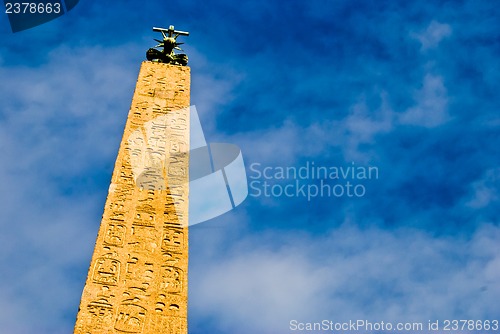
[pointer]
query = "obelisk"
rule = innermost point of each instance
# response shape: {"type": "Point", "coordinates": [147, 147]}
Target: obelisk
{"type": "Point", "coordinates": [137, 280]}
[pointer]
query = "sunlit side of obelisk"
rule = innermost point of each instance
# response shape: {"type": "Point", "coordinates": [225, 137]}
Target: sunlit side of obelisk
{"type": "Point", "coordinates": [137, 280]}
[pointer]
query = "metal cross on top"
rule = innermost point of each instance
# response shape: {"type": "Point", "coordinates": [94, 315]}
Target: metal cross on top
{"type": "Point", "coordinates": [169, 43]}
{"type": "Point", "coordinates": [171, 31]}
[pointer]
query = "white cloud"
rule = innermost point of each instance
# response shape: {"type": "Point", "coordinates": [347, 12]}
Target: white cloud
{"type": "Point", "coordinates": [289, 141]}
{"type": "Point", "coordinates": [61, 122]}
{"type": "Point", "coordinates": [431, 108]}
{"type": "Point", "coordinates": [78, 99]}
{"type": "Point", "coordinates": [432, 35]}
{"type": "Point", "coordinates": [363, 125]}
{"type": "Point", "coordinates": [266, 146]}
{"type": "Point", "coordinates": [485, 191]}
{"type": "Point", "coordinates": [355, 135]}
{"type": "Point", "coordinates": [212, 87]}
{"type": "Point", "coordinates": [262, 282]}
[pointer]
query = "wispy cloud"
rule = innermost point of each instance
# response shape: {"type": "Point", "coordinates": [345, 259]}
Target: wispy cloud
{"type": "Point", "coordinates": [433, 35]}
{"type": "Point", "coordinates": [346, 274]}
{"type": "Point", "coordinates": [485, 190]}
{"type": "Point", "coordinates": [60, 131]}
{"type": "Point", "coordinates": [431, 107]}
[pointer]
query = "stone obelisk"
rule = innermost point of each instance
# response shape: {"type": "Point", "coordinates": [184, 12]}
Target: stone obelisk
{"type": "Point", "coordinates": [137, 280]}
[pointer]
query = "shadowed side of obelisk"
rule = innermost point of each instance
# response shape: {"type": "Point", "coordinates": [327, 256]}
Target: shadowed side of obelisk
{"type": "Point", "coordinates": [137, 280]}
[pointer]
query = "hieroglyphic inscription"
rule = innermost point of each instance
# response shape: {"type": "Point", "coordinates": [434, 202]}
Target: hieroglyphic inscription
{"type": "Point", "coordinates": [115, 234]}
{"type": "Point", "coordinates": [106, 270]}
{"type": "Point", "coordinates": [137, 281]}
{"type": "Point", "coordinates": [172, 279]}
{"type": "Point", "coordinates": [131, 317]}
{"type": "Point", "coordinates": [174, 239]}
{"type": "Point", "coordinates": [101, 313]}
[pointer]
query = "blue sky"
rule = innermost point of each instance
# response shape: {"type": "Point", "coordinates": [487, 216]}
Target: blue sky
{"type": "Point", "coordinates": [407, 86]}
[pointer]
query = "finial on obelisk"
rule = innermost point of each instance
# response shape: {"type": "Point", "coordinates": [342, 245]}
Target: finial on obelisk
{"type": "Point", "coordinates": [168, 45]}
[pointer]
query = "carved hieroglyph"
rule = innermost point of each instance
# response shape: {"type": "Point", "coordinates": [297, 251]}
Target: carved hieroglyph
{"type": "Point", "coordinates": [137, 280]}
